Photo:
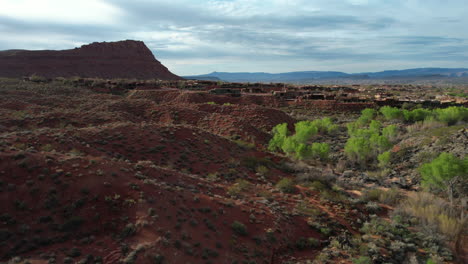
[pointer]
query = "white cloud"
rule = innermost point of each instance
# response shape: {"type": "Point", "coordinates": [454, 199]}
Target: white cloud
{"type": "Point", "coordinates": [197, 36]}
{"type": "Point", "coordinates": [60, 11]}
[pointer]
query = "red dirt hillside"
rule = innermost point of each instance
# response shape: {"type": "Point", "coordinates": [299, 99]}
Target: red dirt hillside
{"type": "Point", "coordinates": [121, 59]}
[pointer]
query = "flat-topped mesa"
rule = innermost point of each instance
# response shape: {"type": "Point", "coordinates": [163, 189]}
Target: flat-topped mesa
{"type": "Point", "coordinates": [121, 59]}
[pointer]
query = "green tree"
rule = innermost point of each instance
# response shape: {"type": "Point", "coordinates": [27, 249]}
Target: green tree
{"type": "Point", "coordinates": [286, 185]}
{"type": "Point", "coordinates": [391, 113]}
{"type": "Point", "coordinates": [366, 116]}
{"type": "Point", "coordinates": [358, 149]}
{"type": "Point", "coordinates": [390, 132]}
{"type": "Point", "coordinates": [452, 115]}
{"type": "Point", "coordinates": [375, 126]}
{"type": "Point", "coordinates": [443, 173]}
{"type": "Point", "coordinates": [280, 133]}
{"type": "Point", "coordinates": [415, 115]}
{"type": "Point", "coordinates": [384, 159]}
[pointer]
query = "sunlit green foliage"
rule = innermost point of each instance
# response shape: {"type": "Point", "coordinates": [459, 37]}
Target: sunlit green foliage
{"type": "Point", "coordinates": [297, 144]}
{"type": "Point", "coordinates": [379, 143]}
{"type": "Point", "coordinates": [384, 159]}
{"type": "Point", "coordinates": [391, 113]}
{"type": "Point", "coordinates": [358, 149]}
{"type": "Point", "coordinates": [280, 133]}
{"type": "Point", "coordinates": [365, 144]}
{"type": "Point", "coordinates": [286, 185]}
{"type": "Point", "coordinates": [415, 115]}
{"type": "Point", "coordinates": [305, 130]}
{"type": "Point", "coordinates": [439, 173]}
{"type": "Point", "coordinates": [375, 126]}
{"type": "Point", "coordinates": [366, 116]}
{"type": "Point", "coordinates": [452, 115]}
{"type": "Point", "coordinates": [390, 132]}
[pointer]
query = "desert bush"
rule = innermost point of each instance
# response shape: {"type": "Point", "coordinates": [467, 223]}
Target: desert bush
{"type": "Point", "coordinates": [379, 144]}
{"type": "Point", "coordinates": [253, 162]}
{"type": "Point", "coordinates": [428, 123]}
{"type": "Point", "coordinates": [375, 126]}
{"type": "Point", "coordinates": [443, 173]}
{"type": "Point", "coordinates": [286, 185]}
{"type": "Point", "coordinates": [296, 145]}
{"type": "Point", "coordinates": [362, 260]}
{"type": "Point", "coordinates": [320, 150]}
{"type": "Point", "coordinates": [304, 243]}
{"type": "Point", "coordinates": [391, 113]}
{"type": "Point", "coordinates": [390, 132]}
{"type": "Point", "coordinates": [366, 116]}
{"type": "Point", "coordinates": [372, 207]}
{"type": "Point", "coordinates": [358, 149]}
{"type": "Point", "coordinates": [239, 187]}
{"type": "Point", "coordinates": [371, 195]}
{"type": "Point", "coordinates": [280, 133]}
{"type": "Point", "coordinates": [415, 115]}
{"type": "Point", "coordinates": [432, 211]}
{"type": "Point", "coordinates": [365, 144]}
{"type": "Point", "coordinates": [239, 228]}
{"type": "Point", "coordinates": [384, 159]}
{"type": "Point", "coordinates": [304, 131]}
{"type": "Point", "coordinates": [391, 196]}
{"type": "Point", "coordinates": [452, 115]}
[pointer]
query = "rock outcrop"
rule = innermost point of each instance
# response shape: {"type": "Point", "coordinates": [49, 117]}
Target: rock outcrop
{"type": "Point", "coordinates": [122, 59]}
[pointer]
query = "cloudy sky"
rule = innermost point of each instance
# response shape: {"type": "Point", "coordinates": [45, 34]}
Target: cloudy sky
{"type": "Point", "coordinates": [201, 36]}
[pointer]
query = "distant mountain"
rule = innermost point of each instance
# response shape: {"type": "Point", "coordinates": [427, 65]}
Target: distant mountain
{"type": "Point", "coordinates": [202, 78]}
{"type": "Point", "coordinates": [123, 59]}
{"type": "Point", "coordinates": [312, 76]}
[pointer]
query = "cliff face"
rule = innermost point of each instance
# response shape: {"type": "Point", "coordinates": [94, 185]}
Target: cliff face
{"type": "Point", "coordinates": [122, 59]}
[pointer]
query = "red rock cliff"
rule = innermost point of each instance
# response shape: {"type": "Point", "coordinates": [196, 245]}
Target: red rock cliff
{"type": "Point", "coordinates": [122, 59]}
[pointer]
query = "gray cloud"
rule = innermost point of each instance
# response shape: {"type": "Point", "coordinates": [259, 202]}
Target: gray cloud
{"type": "Point", "coordinates": [239, 34]}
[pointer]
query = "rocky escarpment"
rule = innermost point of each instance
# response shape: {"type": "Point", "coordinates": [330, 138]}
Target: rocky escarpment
{"type": "Point", "coordinates": [122, 59]}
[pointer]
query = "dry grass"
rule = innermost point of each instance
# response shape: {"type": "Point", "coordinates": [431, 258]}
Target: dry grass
{"type": "Point", "coordinates": [424, 125]}
{"type": "Point", "coordinates": [430, 210]}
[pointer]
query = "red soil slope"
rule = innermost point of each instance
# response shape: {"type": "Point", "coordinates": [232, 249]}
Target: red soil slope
{"type": "Point", "coordinates": [100, 178]}
{"type": "Point", "coordinates": [122, 59]}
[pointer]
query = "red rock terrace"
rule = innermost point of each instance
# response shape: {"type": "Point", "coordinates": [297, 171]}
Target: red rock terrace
{"type": "Point", "coordinates": [122, 59]}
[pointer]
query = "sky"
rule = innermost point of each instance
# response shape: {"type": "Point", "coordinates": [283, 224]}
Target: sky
{"type": "Point", "coordinates": [202, 36]}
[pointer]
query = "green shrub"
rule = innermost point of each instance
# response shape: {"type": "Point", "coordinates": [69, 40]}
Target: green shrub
{"type": "Point", "coordinates": [391, 113]}
{"type": "Point", "coordinates": [366, 116]}
{"type": "Point", "coordinates": [304, 243]}
{"type": "Point", "coordinates": [452, 115]}
{"type": "Point", "coordinates": [443, 172]}
{"type": "Point", "coordinates": [390, 132]}
{"type": "Point", "coordinates": [239, 228]}
{"type": "Point", "coordinates": [358, 149]}
{"type": "Point", "coordinates": [375, 126]}
{"type": "Point", "coordinates": [286, 185]}
{"type": "Point", "coordinates": [237, 188]}
{"type": "Point", "coordinates": [372, 195]}
{"type": "Point", "coordinates": [415, 115]}
{"type": "Point", "coordinates": [280, 133]}
{"type": "Point", "coordinates": [296, 145]}
{"type": "Point", "coordinates": [391, 196]}
{"type": "Point", "coordinates": [384, 159]}
{"type": "Point", "coordinates": [362, 260]}
{"type": "Point", "coordinates": [304, 131]}
{"type": "Point", "coordinates": [320, 150]}
{"type": "Point", "coordinates": [431, 211]}
{"type": "Point", "coordinates": [379, 143]}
